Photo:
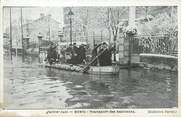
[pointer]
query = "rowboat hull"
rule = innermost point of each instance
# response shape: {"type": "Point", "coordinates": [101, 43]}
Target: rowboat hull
{"type": "Point", "coordinates": [103, 70]}
{"type": "Point", "coordinates": [92, 69]}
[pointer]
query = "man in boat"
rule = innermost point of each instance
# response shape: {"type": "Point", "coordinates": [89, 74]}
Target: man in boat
{"type": "Point", "coordinates": [68, 54]}
{"type": "Point", "coordinates": [94, 53]}
{"type": "Point", "coordinates": [52, 54]}
{"type": "Point", "coordinates": [63, 54]}
{"type": "Point", "coordinates": [72, 54]}
{"type": "Point", "coordinates": [81, 54]}
{"type": "Point", "coordinates": [105, 59]}
{"type": "Point", "coordinates": [75, 53]}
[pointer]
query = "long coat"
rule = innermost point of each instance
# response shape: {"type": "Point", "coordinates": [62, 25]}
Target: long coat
{"type": "Point", "coordinates": [105, 58]}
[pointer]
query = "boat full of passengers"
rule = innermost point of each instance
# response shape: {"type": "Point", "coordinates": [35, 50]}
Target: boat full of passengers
{"type": "Point", "coordinates": [114, 69]}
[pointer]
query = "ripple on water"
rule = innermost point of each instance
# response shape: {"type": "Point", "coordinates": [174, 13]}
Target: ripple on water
{"type": "Point", "coordinates": [29, 86]}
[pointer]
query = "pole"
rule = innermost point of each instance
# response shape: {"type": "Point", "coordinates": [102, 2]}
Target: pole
{"type": "Point", "coordinates": [49, 27]}
{"type": "Point", "coordinates": [109, 36]}
{"type": "Point", "coordinates": [101, 35]}
{"type": "Point", "coordinates": [132, 13]}
{"type": "Point", "coordinates": [60, 38]}
{"type": "Point", "coordinates": [129, 51]}
{"type": "Point", "coordinates": [114, 53]}
{"type": "Point", "coordinates": [10, 36]}
{"type": "Point", "coordinates": [70, 31]}
{"type": "Point", "coordinates": [94, 39]}
{"type": "Point", "coordinates": [39, 49]}
{"type": "Point", "coordinates": [22, 35]}
{"type": "Point", "coordinates": [108, 18]}
{"type": "Point", "coordinates": [86, 24]}
{"type": "Point", "coordinates": [16, 47]}
{"type": "Point", "coordinates": [75, 37]}
{"type": "Point", "coordinates": [86, 37]}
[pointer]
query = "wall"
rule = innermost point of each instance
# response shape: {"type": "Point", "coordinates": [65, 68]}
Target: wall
{"type": "Point", "coordinates": [163, 62]}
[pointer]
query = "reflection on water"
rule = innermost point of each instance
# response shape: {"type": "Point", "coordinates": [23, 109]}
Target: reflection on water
{"type": "Point", "coordinates": [29, 86]}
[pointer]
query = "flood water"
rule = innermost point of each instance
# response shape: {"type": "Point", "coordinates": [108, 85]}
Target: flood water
{"type": "Point", "coordinates": [29, 86]}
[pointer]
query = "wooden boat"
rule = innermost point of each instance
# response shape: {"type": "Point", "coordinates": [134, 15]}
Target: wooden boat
{"type": "Point", "coordinates": [114, 69]}
{"type": "Point", "coordinates": [92, 69]}
{"type": "Point", "coordinates": [103, 69]}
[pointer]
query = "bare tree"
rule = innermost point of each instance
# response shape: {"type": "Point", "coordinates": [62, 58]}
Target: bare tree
{"type": "Point", "coordinates": [115, 16]}
{"type": "Point", "coordinates": [111, 17]}
{"type": "Point", "coordinates": [81, 17]}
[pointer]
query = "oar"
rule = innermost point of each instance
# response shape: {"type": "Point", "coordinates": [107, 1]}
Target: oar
{"type": "Point", "coordinates": [85, 69]}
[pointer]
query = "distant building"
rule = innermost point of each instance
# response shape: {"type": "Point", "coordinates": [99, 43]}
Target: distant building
{"type": "Point", "coordinates": [46, 25]}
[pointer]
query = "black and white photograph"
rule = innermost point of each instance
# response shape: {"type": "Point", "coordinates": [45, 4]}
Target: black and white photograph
{"type": "Point", "coordinates": [90, 57]}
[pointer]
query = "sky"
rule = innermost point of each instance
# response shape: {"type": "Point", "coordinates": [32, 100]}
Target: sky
{"type": "Point", "coordinates": [31, 13]}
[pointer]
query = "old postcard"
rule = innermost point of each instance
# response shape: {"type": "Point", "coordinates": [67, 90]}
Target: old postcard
{"type": "Point", "coordinates": [90, 58]}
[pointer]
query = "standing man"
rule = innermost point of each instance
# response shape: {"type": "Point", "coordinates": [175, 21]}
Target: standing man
{"type": "Point", "coordinates": [94, 54]}
{"type": "Point", "coordinates": [81, 54]}
{"type": "Point", "coordinates": [105, 59]}
{"type": "Point", "coordinates": [52, 55]}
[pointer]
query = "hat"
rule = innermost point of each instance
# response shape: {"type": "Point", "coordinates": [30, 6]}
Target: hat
{"type": "Point", "coordinates": [105, 43]}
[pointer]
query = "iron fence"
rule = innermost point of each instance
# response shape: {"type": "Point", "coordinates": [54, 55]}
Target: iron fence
{"type": "Point", "coordinates": [159, 44]}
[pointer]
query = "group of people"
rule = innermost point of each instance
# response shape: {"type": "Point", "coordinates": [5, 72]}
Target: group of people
{"type": "Point", "coordinates": [74, 54]}
{"type": "Point", "coordinates": [71, 54]}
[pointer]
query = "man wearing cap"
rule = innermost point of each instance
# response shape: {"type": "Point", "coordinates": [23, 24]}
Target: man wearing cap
{"type": "Point", "coordinates": [81, 54]}
{"type": "Point", "coordinates": [94, 53]}
{"type": "Point", "coordinates": [105, 57]}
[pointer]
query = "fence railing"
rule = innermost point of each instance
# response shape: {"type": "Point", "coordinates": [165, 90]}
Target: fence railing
{"type": "Point", "coordinates": [160, 44]}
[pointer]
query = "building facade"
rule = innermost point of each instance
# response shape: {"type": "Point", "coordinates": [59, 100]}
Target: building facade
{"type": "Point", "coordinates": [44, 25]}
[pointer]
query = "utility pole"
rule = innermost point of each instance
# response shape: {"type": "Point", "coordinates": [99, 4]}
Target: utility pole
{"type": "Point", "coordinates": [108, 23]}
{"type": "Point", "coordinates": [94, 39]}
{"type": "Point", "coordinates": [86, 23]}
{"type": "Point", "coordinates": [75, 37]}
{"type": "Point", "coordinates": [70, 14]}
{"type": "Point", "coordinates": [10, 35]}
{"type": "Point", "coordinates": [22, 35]}
{"type": "Point", "coordinates": [71, 31]}
{"type": "Point", "coordinates": [49, 27]}
{"type": "Point", "coordinates": [115, 36]}
{"type": "Point", "coordinates": [101, 36]}
{"type": "Point", "coordinates": [27, 27]}
{"type": "Point", "coordinates": [146, 11]}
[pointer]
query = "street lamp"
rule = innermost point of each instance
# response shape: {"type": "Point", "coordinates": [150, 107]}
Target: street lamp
{"type": "Point", "coordinates": [70, 14]}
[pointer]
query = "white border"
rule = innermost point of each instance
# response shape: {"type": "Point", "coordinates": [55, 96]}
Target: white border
{"type": "Point", "coordinates": [63, 3]}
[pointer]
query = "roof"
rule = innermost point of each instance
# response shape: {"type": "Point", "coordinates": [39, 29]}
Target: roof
{"type": "Point", "coordinates": [46, 18]}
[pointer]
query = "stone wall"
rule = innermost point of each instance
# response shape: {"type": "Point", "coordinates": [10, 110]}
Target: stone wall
{"type": "Point", "coordinates": [163, 62]}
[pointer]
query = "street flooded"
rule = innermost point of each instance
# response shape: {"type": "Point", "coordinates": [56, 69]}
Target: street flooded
{"type": "Point", "coordinates": [30, 86]}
